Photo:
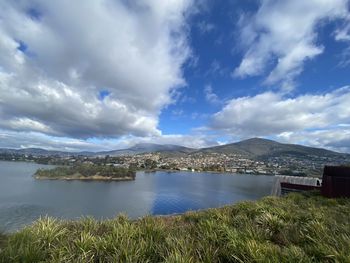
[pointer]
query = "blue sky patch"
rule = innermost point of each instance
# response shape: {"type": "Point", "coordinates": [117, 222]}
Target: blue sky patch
{"type": "Point", "coordinates": [34, 14]}
{"type": "Point", "coordinates": [103, 94]}
{"type": "Point", "coordinates": [22, 46]}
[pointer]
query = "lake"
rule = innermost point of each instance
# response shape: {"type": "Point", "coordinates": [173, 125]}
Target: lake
{"type": "Point", "coordinates": [24, 199]}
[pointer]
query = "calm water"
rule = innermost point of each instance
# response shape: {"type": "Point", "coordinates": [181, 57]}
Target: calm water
{"type": "Point", "coordinates": [23, 199]}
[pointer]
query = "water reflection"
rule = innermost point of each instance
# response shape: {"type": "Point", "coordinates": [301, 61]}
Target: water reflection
{"type": "Point", "coordinates": [23, 199]}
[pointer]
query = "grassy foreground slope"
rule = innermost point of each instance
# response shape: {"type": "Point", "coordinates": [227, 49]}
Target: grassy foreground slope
{"type": "Point", "coordinates": [296, 228]}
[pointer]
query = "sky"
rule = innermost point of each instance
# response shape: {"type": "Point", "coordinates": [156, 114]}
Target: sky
{"type": "Point", "coordinates": [107, 74]}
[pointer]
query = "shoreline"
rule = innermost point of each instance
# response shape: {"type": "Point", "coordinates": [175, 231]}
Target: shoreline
{"type": "Point", "coordinates": [168, 170]}
{"type": "Point", "coordinates": [196, 171]}
{"type": "Point", "coordinates": [83, 178]}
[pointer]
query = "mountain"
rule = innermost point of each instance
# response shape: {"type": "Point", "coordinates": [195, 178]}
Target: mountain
{"type": "Point", "coordinates": [136, 149]}
{"type": "Point", "coordinates": [152, 147]}
{"type": "Point", "coordinates": [33, 151]}
{"type": "Point", "coordinates": [149, 147]}
{"type": "Point", "coordinates": [43, 152]}
{"type": "Point", "coordinates": [262, 148]}
{"type": "Point", "coordinates": [251, 148]}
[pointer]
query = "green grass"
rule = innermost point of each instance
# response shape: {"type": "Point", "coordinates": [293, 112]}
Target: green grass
{"type": "Point", "coordinates": [296, 228]}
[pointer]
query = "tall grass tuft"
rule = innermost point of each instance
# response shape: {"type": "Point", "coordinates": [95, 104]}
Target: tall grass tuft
{"type": "Point", "coordinates": [296, 228]}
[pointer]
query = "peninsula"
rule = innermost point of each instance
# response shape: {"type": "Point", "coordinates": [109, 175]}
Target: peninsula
{"type": "Point", "coordinates": [86, 172]}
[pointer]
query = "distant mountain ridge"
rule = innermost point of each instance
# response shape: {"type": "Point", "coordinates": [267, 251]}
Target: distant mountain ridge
{"type": "Point", "coordinates": [149, 148]}
{"type": "Point", "coordinates": [36, 151]}
{"type": "Point", "coordinates": [136, 149]}
{"type": "Point", "coordinates": [252, 148]}
{"type": "Point", "coordinates": [261, 148]}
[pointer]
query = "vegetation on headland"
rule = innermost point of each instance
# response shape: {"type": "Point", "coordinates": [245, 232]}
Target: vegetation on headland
{"type": "Point", "coordinates": [86, 172]}
{"type": "Point", "coordinates": [295, 228]}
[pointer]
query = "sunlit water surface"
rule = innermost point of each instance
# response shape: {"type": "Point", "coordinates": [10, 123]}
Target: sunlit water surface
{"type": "Point", "coordinates": [24, 199]}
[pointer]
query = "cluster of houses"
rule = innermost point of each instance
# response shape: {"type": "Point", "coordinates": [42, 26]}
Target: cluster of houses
{"type": "Point", "coordinates": [202, 161]}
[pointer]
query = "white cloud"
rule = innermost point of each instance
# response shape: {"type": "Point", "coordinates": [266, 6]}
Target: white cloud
{"type": "Point", "coordinates": [28, 124]}
{"type": "Point", "coordinates": [177, 112]}
{"type": "Point", "coordinates": [283, 34]}
{"type": "Point", "coordinates": [55, 63]}
{"type": "Point", "coordinates": [210, 96]}
{"type": "Point", "coordinates": [13, 139]}
{"type": "Point", "coordinates": [342, 34]}
{"type": "Point", "coordinates": [216, 69]}
{"type": "Point", "coordinates": [205, 27]}
{"type": "Point", "coordinates": [269, 114]}
{"type": "Point", "coordinates": [337, 139]}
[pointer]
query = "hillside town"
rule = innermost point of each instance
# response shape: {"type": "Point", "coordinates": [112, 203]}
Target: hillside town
{"type": "Point", "coordinates": [310, 165]}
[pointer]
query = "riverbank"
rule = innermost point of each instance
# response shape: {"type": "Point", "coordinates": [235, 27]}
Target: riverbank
{"type": "Point", "coordinates": [295, 228]}
{"type": "Point", "coordinates": [83, 178]}
{"type": "Point", "coordinates": [200, 171]}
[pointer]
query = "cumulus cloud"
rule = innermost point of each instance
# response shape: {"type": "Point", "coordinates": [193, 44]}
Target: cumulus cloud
{"type": "Point", "coordinates": [57, 56]}
{"type": "Point", "coordinates": [13, 139]}
{"type": "Point", "coordinates": [269, 113]}
{"type": "Point", "coordinates": [19, 140]}
{"type": "Point", "coordinates": [337, 139]}
{"type": "Point", "coordinates": [283, 35]}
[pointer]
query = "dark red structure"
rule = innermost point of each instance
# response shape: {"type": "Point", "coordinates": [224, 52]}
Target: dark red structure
{"type": "Point", "coordinates": [336, 181]}
{"type": "Point", "coordinates": [288, 187]}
